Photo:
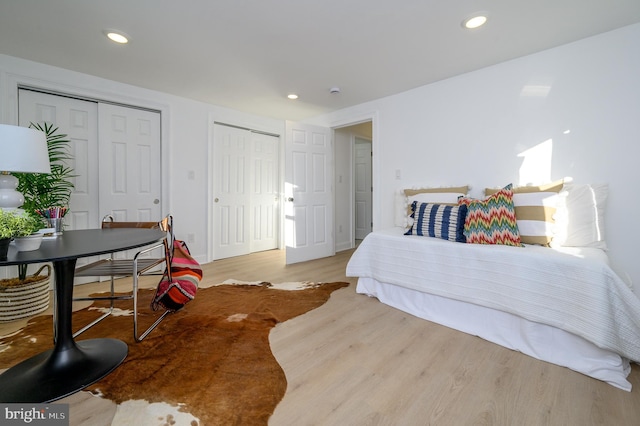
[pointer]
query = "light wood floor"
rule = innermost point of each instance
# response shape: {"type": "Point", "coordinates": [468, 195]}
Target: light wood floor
{"type": "Point", "coordinates": [356, 361]}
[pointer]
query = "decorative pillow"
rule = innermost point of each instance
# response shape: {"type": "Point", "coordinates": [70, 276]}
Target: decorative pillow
{"type": "Point", "coordinates": [444, 195]}
{"type": "Point", "coordinates": [439, 221]}
{"type": "Point", "coordinates": [580, 216]}
{"type": "Point", "coordinates": [493, 220]}
{"type": "Point", "coordinates": [535, 211]}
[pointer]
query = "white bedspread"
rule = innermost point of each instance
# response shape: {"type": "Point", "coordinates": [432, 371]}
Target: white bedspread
{"type": "Point", "coordinates": [571, 289]}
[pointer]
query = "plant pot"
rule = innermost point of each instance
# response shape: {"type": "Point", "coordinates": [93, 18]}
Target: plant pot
{"type": "Point", "coordinates": [21, 300]}
{"type": "Point", "coordinates": [4, 248]}
{"type": "Point", "coordinates": [28, 243]}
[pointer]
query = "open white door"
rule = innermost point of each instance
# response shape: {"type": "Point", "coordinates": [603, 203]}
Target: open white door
{"type": "Point", "coordinates": [308, 192]}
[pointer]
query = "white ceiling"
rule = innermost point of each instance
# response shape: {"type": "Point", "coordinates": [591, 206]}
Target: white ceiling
{"type": "Point", "coordinates": [249, 54]}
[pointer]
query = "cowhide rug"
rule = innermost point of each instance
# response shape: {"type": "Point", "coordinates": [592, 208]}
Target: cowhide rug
{"type": "Point", "coordinates": [208, 364]}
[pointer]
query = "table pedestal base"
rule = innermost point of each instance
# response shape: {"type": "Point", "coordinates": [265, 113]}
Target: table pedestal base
{"type": "Point", "coordinates": [54, 374]}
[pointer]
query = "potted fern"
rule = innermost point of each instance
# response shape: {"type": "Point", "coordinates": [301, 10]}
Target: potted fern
{"type": "Point", "coordinates": [43, 191]}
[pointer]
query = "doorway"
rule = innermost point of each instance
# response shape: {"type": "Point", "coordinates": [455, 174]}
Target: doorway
{"type": "Point", "coordinates": [353, 183]}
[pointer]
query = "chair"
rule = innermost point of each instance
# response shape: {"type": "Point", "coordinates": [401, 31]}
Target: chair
{"type": "Point", "coordinates": [134, 267]}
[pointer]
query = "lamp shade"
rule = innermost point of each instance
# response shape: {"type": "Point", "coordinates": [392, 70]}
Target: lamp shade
{"type": "Point", "coordinates": [23, 150]}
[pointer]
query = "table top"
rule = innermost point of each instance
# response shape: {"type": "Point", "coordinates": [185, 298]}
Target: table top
{"type": "Point", "coordinates": [83, 243]}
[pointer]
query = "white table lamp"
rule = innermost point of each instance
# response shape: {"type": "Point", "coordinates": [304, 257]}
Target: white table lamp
{"type": "Point", "coordinates": [22, 150]}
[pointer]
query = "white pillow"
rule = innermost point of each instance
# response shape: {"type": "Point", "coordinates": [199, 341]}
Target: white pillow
{"type": "Point", "coordinates": [580, 216]}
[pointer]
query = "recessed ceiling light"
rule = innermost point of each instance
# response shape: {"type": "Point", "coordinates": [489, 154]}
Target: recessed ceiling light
{"type": "Point", "coordinates": [117, 36]}
{"type": "Point", "coordinates": [474, 21]}
{"type": "Point", "coordinates": [292, 96]}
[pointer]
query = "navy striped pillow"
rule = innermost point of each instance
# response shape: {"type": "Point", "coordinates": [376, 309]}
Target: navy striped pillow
{"type": "Point", "coordinates": [439, 221]}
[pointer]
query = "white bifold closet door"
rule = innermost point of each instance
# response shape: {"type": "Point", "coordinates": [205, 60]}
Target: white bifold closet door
{"type": "Point", "coordinates": [245, 191]}
{"type": "Point", "coordinates": [116, 156]}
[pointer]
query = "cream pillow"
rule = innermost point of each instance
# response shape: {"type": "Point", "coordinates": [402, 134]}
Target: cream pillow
{"type": "Point", "coordinates": [441, 195]}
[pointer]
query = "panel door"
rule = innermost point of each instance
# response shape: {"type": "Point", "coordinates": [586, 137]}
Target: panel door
{"type": "Point", "coordinates": [363, 188]}
{"type": "Point", "coordinates": [129, 153]}
{"type": "Point", "coordinates": [232, 194]}
{"type": "Point", "coordinates": [79, 120]}
{"type": "Point", "coordinates": [265, 216]}
{"type": "Point", "coordinates": [309, 193]}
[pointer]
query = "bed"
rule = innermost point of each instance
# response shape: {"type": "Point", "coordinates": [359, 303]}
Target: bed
{"type": "Point", "coordinates": [562, 305]}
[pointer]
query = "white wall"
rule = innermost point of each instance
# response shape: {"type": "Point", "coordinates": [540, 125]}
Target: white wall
{"type": "Point", "coordinates": [471, 129]}
{"type": "Point", "coordinates": [186, 135]}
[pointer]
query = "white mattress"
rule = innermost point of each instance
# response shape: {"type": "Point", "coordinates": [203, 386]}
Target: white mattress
{"type": "Point", "coordinates": [574, 290]}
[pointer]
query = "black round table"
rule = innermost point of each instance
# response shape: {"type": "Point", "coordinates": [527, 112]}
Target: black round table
{"type": "Point", "coordinates": [70, 366]}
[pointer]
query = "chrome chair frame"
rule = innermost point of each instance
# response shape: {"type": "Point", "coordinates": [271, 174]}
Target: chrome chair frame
{"type": "Point", "coordinates": [122, 268]}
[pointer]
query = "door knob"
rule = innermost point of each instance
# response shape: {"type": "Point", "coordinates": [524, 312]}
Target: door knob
{"type": "Point", "coordinates": [290, 199]}
{"type": "Point", "coordinates": [156, 201]}
{"type": "Point", "coordinates": [216, 200]}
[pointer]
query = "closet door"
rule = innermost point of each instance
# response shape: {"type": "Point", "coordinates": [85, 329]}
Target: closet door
{"type": "Point", "coordinates": [231, 195]}
{"type": "Point", "coordinates": [116, 157]}
{"type": "Point", "coordinates": [129, 152]}
{"type": "Point", "coordinates": [79, 120]}
{"type": "Point", "coordinates": [245, 196]}
{"type": "Point", "coordinates": [264, 200]}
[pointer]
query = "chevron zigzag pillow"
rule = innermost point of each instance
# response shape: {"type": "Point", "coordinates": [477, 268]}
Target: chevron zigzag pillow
{"type": "Point", "coordinates": [535, 211]}
{"type": "Point", "coordinates": [492, 220]}
{"type": "Point", "coordinates": [439, 221]}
